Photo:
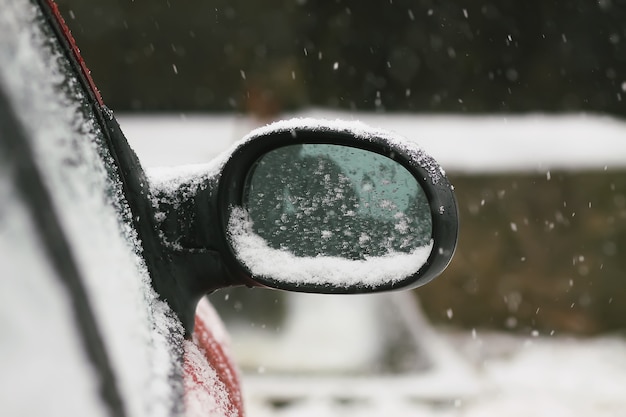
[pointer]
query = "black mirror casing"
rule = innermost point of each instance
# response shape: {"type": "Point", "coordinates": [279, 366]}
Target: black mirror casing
{"type": "Point", "coordinates": [425, 169]}
{"type": "Point", "coordinates": [191, 212]}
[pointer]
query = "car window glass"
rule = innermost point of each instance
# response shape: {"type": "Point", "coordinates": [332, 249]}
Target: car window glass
{"type": "Point", "coordinates": [79, 174]}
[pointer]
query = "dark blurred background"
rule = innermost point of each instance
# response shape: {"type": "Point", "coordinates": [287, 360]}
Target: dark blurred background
{"type": "Point", "coordinates": [419, 55]}
{"type": "Point", "coordinates": [537, 252]}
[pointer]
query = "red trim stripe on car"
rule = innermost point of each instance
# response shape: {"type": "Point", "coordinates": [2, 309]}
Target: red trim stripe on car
{"type": "Point", "coordinates": [75, 51]}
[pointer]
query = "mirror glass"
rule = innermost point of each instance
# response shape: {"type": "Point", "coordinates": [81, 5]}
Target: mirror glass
{"type": "Point", "coordinates": [332, 215]}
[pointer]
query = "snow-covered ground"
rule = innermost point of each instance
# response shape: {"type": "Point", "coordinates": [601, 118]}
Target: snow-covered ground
{"type": "Point", "coordinates": [474, 373]}
{"type": "Point", "coordinates": [512, 377]}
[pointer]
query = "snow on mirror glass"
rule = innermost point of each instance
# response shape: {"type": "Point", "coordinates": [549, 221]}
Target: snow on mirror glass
{"type": "Point", "coordinates": [331, 215]}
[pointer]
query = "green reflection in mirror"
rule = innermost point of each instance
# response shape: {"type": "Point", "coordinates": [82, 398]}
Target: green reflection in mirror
{"type": "Point", "coordinates": [331, 200]}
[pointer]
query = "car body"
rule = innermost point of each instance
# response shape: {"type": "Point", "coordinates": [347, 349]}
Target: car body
{"type": "Point", "coordinates": [103, 314]}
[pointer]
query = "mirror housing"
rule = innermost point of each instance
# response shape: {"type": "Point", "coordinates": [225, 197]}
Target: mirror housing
{"type": "Point", "coordinates": [194, 208]}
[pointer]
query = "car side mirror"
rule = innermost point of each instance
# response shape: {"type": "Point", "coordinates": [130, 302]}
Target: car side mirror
{"type": "Point", "coordinates": [311, 206]}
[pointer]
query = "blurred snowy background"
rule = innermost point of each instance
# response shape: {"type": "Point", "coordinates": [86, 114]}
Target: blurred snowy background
{"type": "Point", "coordinates": [523, 105]}
{"type": "Point", "coordinates": [516, 342]}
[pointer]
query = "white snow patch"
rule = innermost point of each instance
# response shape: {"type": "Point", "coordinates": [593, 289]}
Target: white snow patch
{"type": "Point", "coordinates": [254, 252]}
{"type": "Point", "coordinates": [170, 179]}
{"type": "Point", "coordinates": [357, 129]}
{"type": "Point", "coordinates": [177, 184]}
{"type": "Point", "coordinates": [213, 321]}
{"type": "Point", "coordinates": [205, 394]}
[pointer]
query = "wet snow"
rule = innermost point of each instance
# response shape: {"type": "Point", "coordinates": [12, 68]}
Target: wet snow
{"type": "Point", "coordinates": [254, 251]}
{"type": "Point", "coordinates": [47, 372]}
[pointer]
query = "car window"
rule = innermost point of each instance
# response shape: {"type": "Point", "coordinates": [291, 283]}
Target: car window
{"type": "Point", "coordinates": [100, 303]}
{"type": "Point", "coordinates": [32, 291]}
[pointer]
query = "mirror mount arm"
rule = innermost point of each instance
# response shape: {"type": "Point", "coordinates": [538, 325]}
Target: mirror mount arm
{"type": "Point", "coordinates": [185, 223]}
{"type": "Point", "coordinates": [197, 273]}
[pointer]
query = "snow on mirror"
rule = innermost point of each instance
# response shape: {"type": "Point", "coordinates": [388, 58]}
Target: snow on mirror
{"type": "Point", "coordinates": [323, 214]}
